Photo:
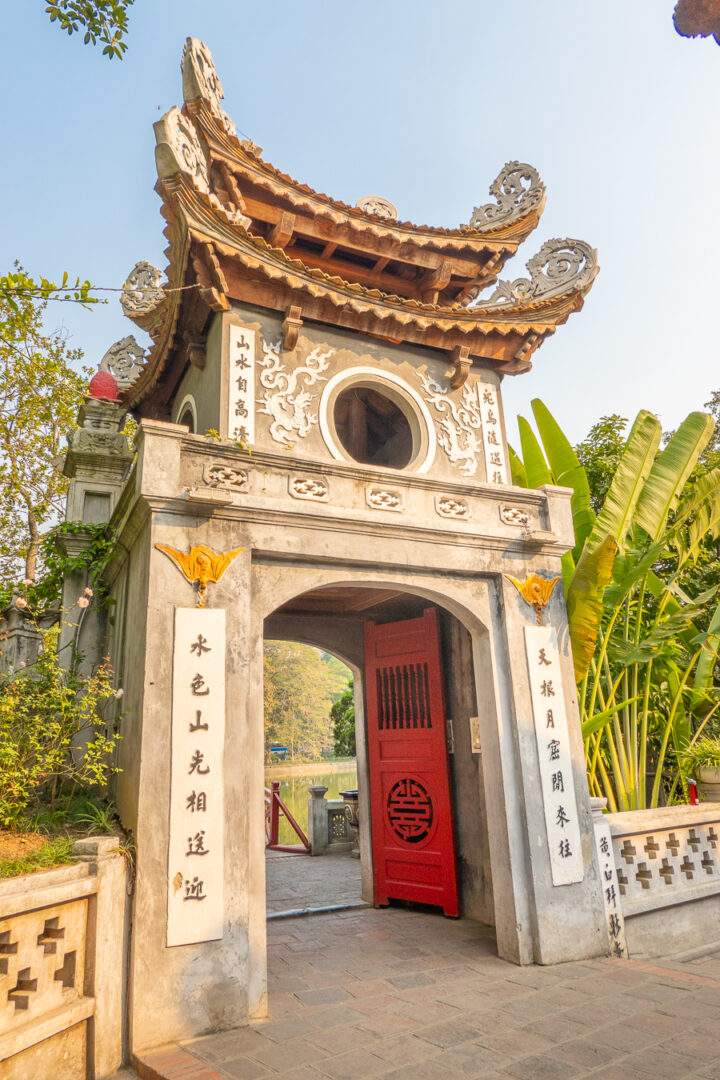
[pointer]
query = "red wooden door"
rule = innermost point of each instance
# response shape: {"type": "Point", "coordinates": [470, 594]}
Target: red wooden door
{"type": "Point", "coordinates": [411, 809]}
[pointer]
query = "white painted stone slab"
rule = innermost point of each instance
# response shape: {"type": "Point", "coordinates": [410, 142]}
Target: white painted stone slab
{"type": "Point", "coordinates": [492, 438]}
{"type": "Point", "coordinates": [241, 391]}
{"type": "Point", "coordinates": [556, 776]}
{"type": "Point", "coordinates": [611, 889]}
{"type": "Point", "coordinates": [195, 850]}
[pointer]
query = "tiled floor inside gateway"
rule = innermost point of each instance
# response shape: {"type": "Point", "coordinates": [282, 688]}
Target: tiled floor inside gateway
{"type": "Point", "coordinates": [300, 881]}
{"type": "Point", "coordinates": [408, 995]}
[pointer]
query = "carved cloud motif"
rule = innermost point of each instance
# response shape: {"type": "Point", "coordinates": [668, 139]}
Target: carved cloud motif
{"type": "Point", "coordinates": [201, 80]}
{"type": "Point", "coordinates": [178, 148]}
{"type": "Point", "coordinates": [558, 267]}
{"type": "Point", "coordinates": [124, 361]}
{"type": "Point", "coordinates": [516, 190]}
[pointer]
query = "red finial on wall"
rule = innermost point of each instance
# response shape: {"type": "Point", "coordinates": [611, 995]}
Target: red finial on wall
{"type": "Point", "coordinates": [103, 387]}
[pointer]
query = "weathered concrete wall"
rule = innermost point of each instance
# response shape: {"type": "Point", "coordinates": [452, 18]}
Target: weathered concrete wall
{"type": "Point", "coordinates": [203, 387]}
{"type": "Point", "coordinates": [62, 983]}
{"type": "Point", "coordinates": [404, 370]}
{"type": "Point", "coordinates": [471, 831]}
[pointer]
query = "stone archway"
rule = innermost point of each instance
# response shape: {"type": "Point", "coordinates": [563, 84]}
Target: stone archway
{"type": "Point", "coordinates": [332, 617]}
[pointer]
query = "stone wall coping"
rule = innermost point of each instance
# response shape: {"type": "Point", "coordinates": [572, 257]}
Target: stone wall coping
{"type": "Point", "coordinates": [632, 822]}
{"type": "Point", "coordinates": [97, 847]}
{"type": "Point", "coordinates": [32, 891]}
{"type": "Point", "coordinates": [43, 879]}
{"type": "Point", "coordinates": [655, 900]}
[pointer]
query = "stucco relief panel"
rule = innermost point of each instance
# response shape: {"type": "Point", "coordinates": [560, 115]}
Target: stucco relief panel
{"type": "Point", "coordinates": [289, 398]}
{"type": "Point", "coordinates": [458, 423]}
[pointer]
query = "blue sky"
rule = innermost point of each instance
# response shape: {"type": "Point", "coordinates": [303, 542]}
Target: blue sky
{"type": "Point", "coordinates": [421, 102]}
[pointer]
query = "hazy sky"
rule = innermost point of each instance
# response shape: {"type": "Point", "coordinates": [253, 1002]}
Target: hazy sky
{"type": "Point", "coordinates": [422, 102]}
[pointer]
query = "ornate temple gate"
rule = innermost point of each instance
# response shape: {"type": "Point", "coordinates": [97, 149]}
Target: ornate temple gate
{"type": "Point", "coordinates": [411, 807]}
{"type": "Point", "coordinates": [320, 410]}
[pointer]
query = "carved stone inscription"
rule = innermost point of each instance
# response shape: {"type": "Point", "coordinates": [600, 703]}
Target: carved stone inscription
{"type": "Point", "coordinates": [241, 389]}
{"type": "Point", "coordinates": [611, 889]}
{"type": "Point", "coordinates": [195, 850]}
{"type": "Point", "coordinates": [492, 437]}
{"type": "Point", "coordinates": [553, 743]}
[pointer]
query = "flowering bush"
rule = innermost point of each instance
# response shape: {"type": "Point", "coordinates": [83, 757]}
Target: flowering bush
{"type": "Point", "coordinates": [53, 736]}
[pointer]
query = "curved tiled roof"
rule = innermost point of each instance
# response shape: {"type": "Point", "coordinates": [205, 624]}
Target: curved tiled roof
{"type": "Point", "coordinates": [211, 237]}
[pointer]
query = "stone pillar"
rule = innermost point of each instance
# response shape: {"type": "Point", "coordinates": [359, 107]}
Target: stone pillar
{"type": "Point", "coordinates": [317, 820]}
{"type": "Point", "coordinates": [19, 642]}
{"type": "Point", "coordinates": [553, 923]}
{"type": "Point", "coordinates": [106, 951]}
{"type": "Point", "coordinates": [96, 462]}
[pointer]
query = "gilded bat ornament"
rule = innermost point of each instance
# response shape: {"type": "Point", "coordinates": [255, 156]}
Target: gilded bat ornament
{"type": "Point", "coordinates": [535, 591]}
{"type": "Point", "coordinates": [200, 566]}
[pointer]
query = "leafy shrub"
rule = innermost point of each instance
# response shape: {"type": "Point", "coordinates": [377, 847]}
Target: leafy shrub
{"type": "Point", "coordinates": [53, 735]}
{"type": "Point", "coordinates": [703, 754]}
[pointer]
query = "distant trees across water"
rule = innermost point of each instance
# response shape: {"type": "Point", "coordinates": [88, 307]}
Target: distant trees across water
{"type": "Point", "coordinates": [302, 686]}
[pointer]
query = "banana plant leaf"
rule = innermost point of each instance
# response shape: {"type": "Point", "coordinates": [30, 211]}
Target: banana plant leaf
{"type": "Point", "coordinates": [708, 659]}
{"type": "Point", "coordinates": [593, 574]}
{"type": "Point", "coordinates": [537, 470]}
{"type": "Point", "coordinates": [670, 471]}
{"type": "Point", "coordinates": [567, 471]}
{"type": "Point", "coordinates": [600, 720]}
{"type": "Point", "coordinates": [616, 515]}
{"type": "Point", "coordinates": [517, 469]}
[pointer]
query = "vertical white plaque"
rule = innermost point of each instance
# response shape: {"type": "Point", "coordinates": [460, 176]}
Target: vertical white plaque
{"type": "Point", "coordinates": [493, 445]}
{"type": "Point", "coordinates": [556, 775]}
{"type": "Point", "coordinates": [611, 889]}
{"type": "Point", "coordinates": [195, 850]}
{"type": "Point", "coordinates": [241, 389]}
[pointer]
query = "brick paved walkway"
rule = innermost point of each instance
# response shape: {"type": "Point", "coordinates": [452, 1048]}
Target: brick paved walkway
{"type": "Point", "coordinates": [301, 881]}
{"type": "Point", "coordinates": [403, 995]}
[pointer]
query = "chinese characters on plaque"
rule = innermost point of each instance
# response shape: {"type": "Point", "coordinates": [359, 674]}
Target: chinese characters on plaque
{"type": "Point", "coordinates": [611, 890]}
{"type": "Point", "coordinates": [195, 852]}
{"type": "Point", "coordinates": [556, 778]}
{"type": "Point", "coordinates": [493, 446]}
{"type": "Point", "coordinates": [241, 391]}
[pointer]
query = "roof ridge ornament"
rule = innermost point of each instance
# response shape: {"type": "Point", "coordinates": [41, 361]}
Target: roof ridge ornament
{"type": "Point", "coordinates": [200, 80]}
{"type": "Point", "coordinates": [124, 361]}
{"type": "Point", "coordinates": [378, 207]}
{"type": "Point", "coordinates": [517, 190]}
{"type": "Point", "coordinates": [141, 291]}
{"type": "Point", "coordinates": [559, 267]}
{"type": "Point", "coordinates": [179, 149]}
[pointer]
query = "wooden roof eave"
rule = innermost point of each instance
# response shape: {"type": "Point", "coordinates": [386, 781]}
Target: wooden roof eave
{"type": "Point", "coordinates": [227, 148]}
{"type": "Point", "coordinates": [232, 242]}
{"type": "Point", "coordinates": [193, 216]}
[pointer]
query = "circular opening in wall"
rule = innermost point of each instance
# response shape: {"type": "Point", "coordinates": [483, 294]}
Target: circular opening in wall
{"type": "Point", "coordinates": [373, 429]}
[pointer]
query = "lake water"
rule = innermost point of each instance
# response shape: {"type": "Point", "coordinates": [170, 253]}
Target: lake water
{"type": "Point", "coordinates": [294, 793]}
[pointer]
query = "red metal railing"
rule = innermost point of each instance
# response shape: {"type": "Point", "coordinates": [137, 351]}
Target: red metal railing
{"type": "Point", "coordinates": [275, 808]}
